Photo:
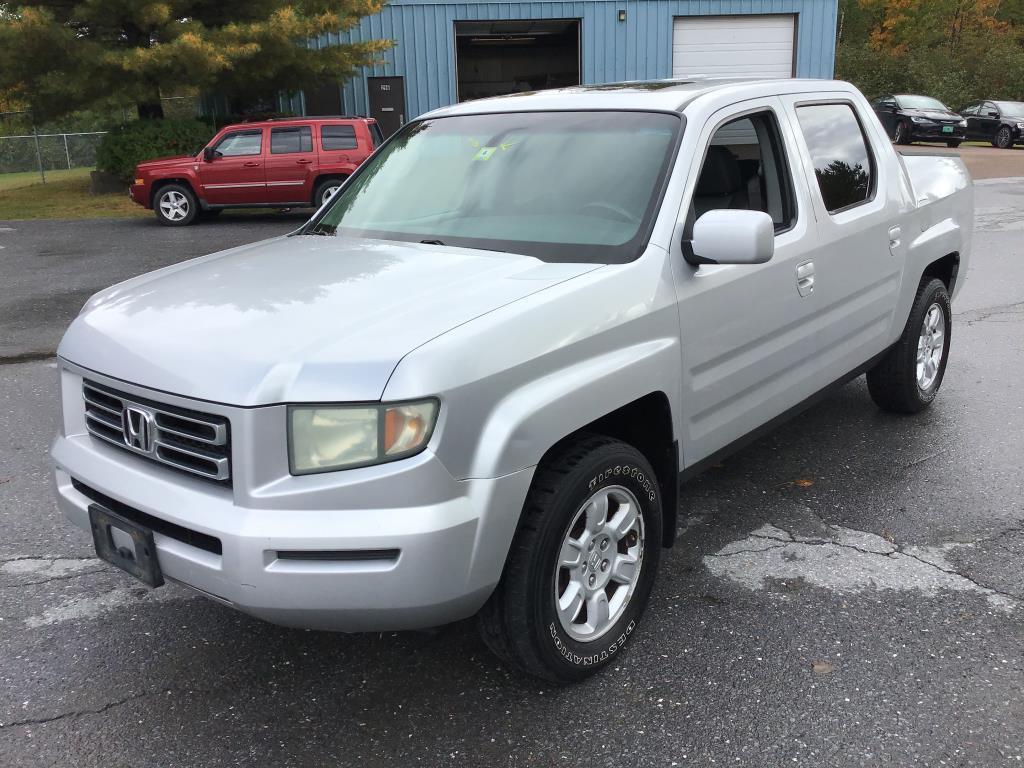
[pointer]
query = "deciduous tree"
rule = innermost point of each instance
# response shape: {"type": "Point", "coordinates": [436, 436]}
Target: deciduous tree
{"type": "Point", "coordinates": [63, 55]}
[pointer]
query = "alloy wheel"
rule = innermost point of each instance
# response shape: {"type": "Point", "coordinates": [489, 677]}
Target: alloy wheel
{"type": "Point", "coordinates": [329, 193]}
{"type": "Point", "coordinates": [930, 347]}
{"type": "Point", "coordinates": [599, 563]}
{"type": "Point", "coordinates": [174, 206]}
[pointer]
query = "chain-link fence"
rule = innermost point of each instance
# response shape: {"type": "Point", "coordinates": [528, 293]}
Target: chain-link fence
{"type": "Point", "coordinates": [51, 151]}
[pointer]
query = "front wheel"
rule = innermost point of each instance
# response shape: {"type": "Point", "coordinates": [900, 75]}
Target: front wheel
{"type": "Point", "coordinates": [175, 205]}
{"type": "Point", "coordinates": [909, 376]}
{"type": "Point", "coordinates": [1004, 138]}
{"type": "Point", "coordinates": [582, 563]}
{"type": "Point", "coordinates": [902, 135]}
{"type": "Point", "coordinates": [953, 144]}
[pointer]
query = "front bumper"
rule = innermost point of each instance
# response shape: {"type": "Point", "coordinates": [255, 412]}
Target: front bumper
{"type": "Point", "coordinates": [139, 193]}
{"type": "Point", "coordinates": [934, 132]}
{"type": "Point", "coordinates": [397, 546]}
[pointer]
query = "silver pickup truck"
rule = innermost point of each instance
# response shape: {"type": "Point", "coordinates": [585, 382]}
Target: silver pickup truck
{"type": "Point", "coordinates": [472, 382]}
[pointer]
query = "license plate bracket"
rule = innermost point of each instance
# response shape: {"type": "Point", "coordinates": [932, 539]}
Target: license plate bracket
{"type": "Point", "coordinates": [125, 544]}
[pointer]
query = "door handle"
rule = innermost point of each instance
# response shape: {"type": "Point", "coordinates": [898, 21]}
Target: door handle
{"type": "Point", "coordinates": [303, 161]}
{"type": "Point", "coordinates": [251, 164]}
{"type": "Point", "coordinates": [805, 278]}
{"type": "Point", "coordinates": [895, 239]}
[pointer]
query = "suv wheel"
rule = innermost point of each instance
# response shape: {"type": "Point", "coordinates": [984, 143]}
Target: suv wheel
{"type": "Point", "coordinates": [325, 190]}
{"type": "Point", "coordinates": [1004, 138]}
{"type": "Point", "coordinates": [902, 134]}
{"type": "Point", "coordinates": [582, 563]}
{"type": "Point", "coordinates": [175, 205]}
{"type": "Point", "coordinates": [909, 376]}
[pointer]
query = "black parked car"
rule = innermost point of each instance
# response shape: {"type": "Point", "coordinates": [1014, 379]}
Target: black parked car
{"type": "Point", "coordinates": [1001, 122]}
{"type": "Point", "coordinates": [910, 118]}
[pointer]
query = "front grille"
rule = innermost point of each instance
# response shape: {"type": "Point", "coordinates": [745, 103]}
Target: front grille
{"type": "Point", "coordinates": [190, 441]}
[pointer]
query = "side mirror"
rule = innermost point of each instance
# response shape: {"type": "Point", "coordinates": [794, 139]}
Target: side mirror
{"type": "Point", "coordinates": [731, 236]}
{"type": "Point", "coordinates": [209, 153]}
{"type": "Point", "coordinates": [992, 113]}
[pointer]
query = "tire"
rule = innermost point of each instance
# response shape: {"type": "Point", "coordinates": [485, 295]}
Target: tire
{"type": "Point", "coordinates": [902, 134]}
{"type": "Point", "coordinates": [952, 144]}
{"type": "Point", "coordinates": [325, 189]}
{"type": "Point", "coordinates": [175, 205]}
{"type": "Point", "coordinates": [1004, 138]}
{"type": "Point", "coordinates": [520, 622]}
{"type": "Point", "coordinates": [895, 383]}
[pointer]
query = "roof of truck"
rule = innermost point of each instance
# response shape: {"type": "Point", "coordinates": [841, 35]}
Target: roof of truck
{"type": "Point", "coordinates": [671, 95]}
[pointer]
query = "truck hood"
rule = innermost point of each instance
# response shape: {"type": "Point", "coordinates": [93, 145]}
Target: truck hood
{"type": "Point", "coordinates": [294, 319]}
{"type": "Point", "coordinates": [933, 114]}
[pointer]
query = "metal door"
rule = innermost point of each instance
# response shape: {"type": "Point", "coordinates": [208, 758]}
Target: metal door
{"type": "Point", "coordinates": [236, 175]}
{"type": "Point", "coordinates": [750, 334]}
{"type": "Point", "coordinates": [387, 102]}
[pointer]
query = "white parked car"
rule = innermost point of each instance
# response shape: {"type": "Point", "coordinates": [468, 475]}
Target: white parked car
{"type": "Point", "coordinates": [472, 381]}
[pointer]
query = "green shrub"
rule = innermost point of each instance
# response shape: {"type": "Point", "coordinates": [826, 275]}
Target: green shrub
{"type": "Point", "coordinates": [134, 142]}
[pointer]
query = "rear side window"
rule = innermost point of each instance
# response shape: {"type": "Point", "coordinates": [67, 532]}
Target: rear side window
{"type": "Point", "coordinates": [286, 140]}
{"type": "Point", "coordinates": [842, 161]}
{"type": "Point", "coordinates": [333, 137]}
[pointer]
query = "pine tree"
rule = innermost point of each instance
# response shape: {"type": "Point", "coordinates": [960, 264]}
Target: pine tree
{"type": "Point", "coordinates": [59, 56]}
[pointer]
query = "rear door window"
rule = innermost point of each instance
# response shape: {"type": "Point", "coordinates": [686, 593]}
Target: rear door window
{"type": "Point", "coordinates": [338, 137]}
{"type": "Point", "coordinates": [284, 141]}
{"type": "Point", "coordinates": [843, 163]}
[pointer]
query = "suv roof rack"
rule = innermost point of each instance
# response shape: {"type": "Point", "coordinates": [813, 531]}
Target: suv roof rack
{"type": "Point", "coordinates": [317, 117]}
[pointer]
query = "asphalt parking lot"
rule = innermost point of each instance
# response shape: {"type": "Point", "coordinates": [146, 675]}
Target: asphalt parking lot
{"type": "Point", "coordinates": [847, 591]}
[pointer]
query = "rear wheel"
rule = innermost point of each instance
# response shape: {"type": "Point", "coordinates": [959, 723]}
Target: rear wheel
{"type": "Point", "coordinates": [325, 190]}
{"type": "Point", "coordinates": [175, 205]}
{"type": "Point", "coordinates": [1004, 138]}
{"type": "Point", "coordinates": [580, 569]}
{"type": "Point", "coordinates": [909, 376]}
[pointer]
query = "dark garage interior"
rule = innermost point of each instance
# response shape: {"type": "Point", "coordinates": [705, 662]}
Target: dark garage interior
{"type": "Point", "coordinates": [499, 57]}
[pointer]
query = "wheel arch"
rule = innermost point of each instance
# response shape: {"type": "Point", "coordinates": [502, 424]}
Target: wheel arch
{"type": "Point", "coordinates": [645, 424]}
{"type": "Point", "coordinates": [946, 269]}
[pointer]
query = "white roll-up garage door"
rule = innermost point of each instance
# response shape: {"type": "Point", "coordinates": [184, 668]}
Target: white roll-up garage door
{"type": "Point", "coordinates": [733, 46]}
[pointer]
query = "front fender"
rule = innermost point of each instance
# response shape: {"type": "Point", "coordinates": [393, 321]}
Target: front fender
{"type": "Point", "coordinates": [529, 420]}
{"type": "Point", "coordinates": [517, 380]}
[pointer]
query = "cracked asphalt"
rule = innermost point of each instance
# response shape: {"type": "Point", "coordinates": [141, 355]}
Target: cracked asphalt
{"type": "Point", "coordinates": [847, 591]}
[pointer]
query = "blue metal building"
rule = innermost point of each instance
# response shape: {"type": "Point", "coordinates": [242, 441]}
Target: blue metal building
{"type": "Point", "coordinates": [447, 51]}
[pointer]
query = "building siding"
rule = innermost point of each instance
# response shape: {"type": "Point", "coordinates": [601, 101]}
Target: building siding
{"type": "Point", "coordinates": [638, 49]}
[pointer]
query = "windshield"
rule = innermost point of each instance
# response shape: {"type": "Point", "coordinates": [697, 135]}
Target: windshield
{"type": "Point", "coordinates": [561, 186]}
{"type": "Point", "coordinates": [1010, 107]}
{"type": "Point", "coordinates": [921, 102]}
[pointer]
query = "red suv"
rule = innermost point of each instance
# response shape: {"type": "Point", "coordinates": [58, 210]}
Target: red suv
{"type": "Point", "coordinates": [293, 163]}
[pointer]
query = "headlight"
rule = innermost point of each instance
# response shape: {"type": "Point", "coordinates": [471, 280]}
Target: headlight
{"type": "Point", "coordinates": [322, 438]}
{"type": "Point", "coordinates": [962, 123]}
{"type": "Point", "coordinates": [1020, 126]}
{"type": "Point", "coordinates": [921, 119]}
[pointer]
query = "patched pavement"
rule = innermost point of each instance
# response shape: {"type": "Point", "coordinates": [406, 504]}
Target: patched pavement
{"type": "Point", "coordinates": [846, 591]}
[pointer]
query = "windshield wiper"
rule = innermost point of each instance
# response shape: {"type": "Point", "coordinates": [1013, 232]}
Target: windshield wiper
{"type": "Point", "coordinates": [432, 242]}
